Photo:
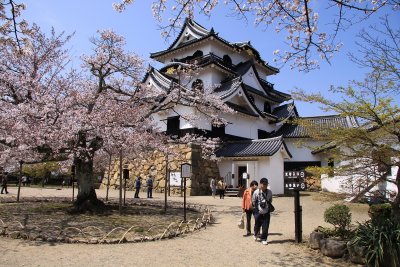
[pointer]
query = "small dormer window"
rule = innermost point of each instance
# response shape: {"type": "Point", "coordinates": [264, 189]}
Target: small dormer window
{"type": "Point", "coordinates": [267, 107]}
{"type": "Point", "coordinates": [198, 53]}
{"type": "Point", "coordinates": [227, 60]}
{"type": "Point", "coordinates": [198, 85]}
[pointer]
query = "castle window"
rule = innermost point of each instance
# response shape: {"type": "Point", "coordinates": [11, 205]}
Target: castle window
{"type": "Point", "coordinates": [198, 53]}
{"type": "Point", "coordinates": [227, 60]}
{"type": "Point", "coordinates": [198, 85]}
{"type": "Point", "coordinates": [173, 124]}
{"type": "Point", "coordinates": [267, 107]}
{"type": "Point", "coordinates": [217, 130]}
{"type": "Point", "coordinates": [262, 134]}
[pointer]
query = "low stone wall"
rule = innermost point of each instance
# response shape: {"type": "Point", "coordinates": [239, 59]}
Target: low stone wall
{"type": "Point", "coordinates": [155, 165]}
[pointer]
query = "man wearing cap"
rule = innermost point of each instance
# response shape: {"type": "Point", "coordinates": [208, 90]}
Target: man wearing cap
{"type": "Point", "coordinates": [262, 214]}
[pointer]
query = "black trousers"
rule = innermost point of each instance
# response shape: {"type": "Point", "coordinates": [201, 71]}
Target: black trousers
{"type": "Point", "coordinates": [137, 192]}
{"type": "Point", "coordinates": [4, 188]}
{"type": "Point", "coordinates": [221, 193]}
{"type": "Point", "coordinates": [249, 214]}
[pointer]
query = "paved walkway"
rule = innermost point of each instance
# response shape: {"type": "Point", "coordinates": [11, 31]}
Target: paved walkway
{"type": "Point", "coordinates": [221, 244]}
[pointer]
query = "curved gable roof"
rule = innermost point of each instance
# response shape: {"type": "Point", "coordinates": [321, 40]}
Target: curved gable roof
{"type": "Point", "coordinates": [203, 34]}
{"type": "Point", "coordinates": [193, 27]}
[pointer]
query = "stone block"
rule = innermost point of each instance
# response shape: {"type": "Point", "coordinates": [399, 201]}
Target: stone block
{"type": "Point", "coordinates": [315, 238]}
{"type": "Point", "coordinates": [356, 253]}
{"type": "Point", "coordinates": [333, 248]}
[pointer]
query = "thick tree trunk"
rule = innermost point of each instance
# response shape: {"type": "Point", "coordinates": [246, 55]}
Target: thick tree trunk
{"type": "Point", "coordinates": [87, 198]}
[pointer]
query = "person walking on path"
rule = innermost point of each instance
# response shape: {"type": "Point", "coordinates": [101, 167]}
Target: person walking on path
{"type": "Point", "coordinates": [247, 205]}
{"type": "Point", "coordinates": [213, 187]}
{"type": "Point", "coordinates": [150, 187]}
{"type": "Point", "coordinates": [221, 188]}
{"type": "Point", "coordinates": [138, 183]}
{"type": "Point", "coordinates": [4, 180]}
{"type": "Point", "coordinates": [262, 216]}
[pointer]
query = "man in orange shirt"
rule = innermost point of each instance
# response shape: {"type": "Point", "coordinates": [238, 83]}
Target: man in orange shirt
{"type": "Point", "coordinates": [247, 205]}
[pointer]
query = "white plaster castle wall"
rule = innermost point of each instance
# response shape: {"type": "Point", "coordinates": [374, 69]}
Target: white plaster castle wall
{"type": "Point", "coordinates": [272, 168]}
{"type": "Point", "coordinates": [259, 102]}
{"type": "Point", "coordinates": [303, 153]}
{"type": "Point", "coordinates": [250, 78]}
{"type": "Point", "coordinates": [246, 126]}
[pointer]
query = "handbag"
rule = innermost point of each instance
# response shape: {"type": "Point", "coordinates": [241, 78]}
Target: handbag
{"type": "Point", "coordinates": [241, 221]}
{"type": "Point", "coordinates": [271, 207]}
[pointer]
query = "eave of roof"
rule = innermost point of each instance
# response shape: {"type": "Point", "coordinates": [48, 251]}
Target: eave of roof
{"type": "Point", "coordinates": [252, 148]}
{"type": "Point", "coordinates": [241, 109]}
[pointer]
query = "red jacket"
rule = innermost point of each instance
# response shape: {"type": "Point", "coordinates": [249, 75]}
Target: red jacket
{"type": "Point", "coordinates": [246, 202]}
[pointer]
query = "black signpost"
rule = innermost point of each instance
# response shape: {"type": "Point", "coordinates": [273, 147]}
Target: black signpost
{"type": "Point", "coordinates": [126, 177]}
{"type": "Point", "coordinates": [186, 172]}
{"type": "Point", "coordinates": [295, 180]}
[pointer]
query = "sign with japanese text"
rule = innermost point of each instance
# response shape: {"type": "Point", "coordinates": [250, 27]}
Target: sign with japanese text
{"type": "Point", "coordinates": [186, 170]}
{"type": "Point", "coordinates": [295, 180]}
{"type": "Point", "coordinates": [175, 179]}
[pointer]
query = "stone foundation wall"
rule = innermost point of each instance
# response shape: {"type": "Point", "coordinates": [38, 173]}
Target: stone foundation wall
{"type": "Point", "coordinates": [155, 165]}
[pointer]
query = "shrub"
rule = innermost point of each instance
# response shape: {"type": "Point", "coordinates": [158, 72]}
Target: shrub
{"type": "Point", "coordinates": [380, 211]}
{"type": "Point", "coordinates": [380, 239]}
{"type": "Point", "coordinates": [339, 216]}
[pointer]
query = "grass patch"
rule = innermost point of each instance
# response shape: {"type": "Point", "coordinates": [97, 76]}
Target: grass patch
{"type": "Point", "coordinates": [56, 216]}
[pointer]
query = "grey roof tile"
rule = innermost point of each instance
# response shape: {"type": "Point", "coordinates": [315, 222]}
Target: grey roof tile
{"type": "Point", "coordinates": [321, 123]}
{"type": "Point", "coordinates": [251, 148]}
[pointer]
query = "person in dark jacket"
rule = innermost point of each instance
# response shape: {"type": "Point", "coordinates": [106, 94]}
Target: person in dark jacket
{"type": "Point", "coordinates": [150, 187]}
{"type": "Point", "coordinates": [138, 183]}
{"type": "Point", "coordinates": [4, 180]}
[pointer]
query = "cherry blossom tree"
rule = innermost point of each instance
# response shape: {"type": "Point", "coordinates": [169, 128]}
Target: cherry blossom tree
{"type": "Point", "coordinates": [307, 40]}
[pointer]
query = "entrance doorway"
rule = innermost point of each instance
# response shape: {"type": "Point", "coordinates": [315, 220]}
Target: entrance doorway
{"type": "Point", "coordinates": [241, 181]}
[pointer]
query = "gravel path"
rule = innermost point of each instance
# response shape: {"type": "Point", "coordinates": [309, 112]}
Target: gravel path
{"type": "Point", "coordinates": [221, 244]}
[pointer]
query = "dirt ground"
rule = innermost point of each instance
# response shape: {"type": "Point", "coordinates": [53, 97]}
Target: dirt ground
{"type": "Point", "coordinates": [220, 244]}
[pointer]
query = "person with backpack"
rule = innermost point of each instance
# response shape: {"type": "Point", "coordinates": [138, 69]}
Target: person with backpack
{"type": "Point", "coordinates": [138, 183]}
{"type": "Point", "coordinates": [262, 197]}
{"type": "Point", "coordinates": [150, 187]}
{"type": "Point", "coordinates": [247, 205]}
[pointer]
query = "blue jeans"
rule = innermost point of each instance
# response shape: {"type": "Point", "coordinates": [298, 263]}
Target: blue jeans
{"type": "Point", "coordinates": [261, 220]}
{"type": "Point", "coordinates": [149, 192]}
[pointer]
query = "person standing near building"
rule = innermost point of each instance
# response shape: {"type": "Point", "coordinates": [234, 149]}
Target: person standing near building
{"type": "Point", "coordinates": [221, 188]}
{"type": "Point", "coordinates": [213, 187]}
{"type": "Point", "coordinates": [138, 183]}
{"type": "Point", "coordinates": [150, 187]}
{"type": "Point", "coordinates": [262, 215]}
{"type": "Point", "coordinates": [247, 205]}
{"type": "Point", "coordinates": [4, 180]}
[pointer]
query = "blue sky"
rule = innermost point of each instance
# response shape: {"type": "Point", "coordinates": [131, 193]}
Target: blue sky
{"type": "Point", "coordinates": [136, 24]}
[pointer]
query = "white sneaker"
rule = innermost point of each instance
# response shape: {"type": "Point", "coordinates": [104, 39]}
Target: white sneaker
{"type": "Point", "coordinates": [265, 242]}
{"type": "Point", "coordinates": [255, 238]}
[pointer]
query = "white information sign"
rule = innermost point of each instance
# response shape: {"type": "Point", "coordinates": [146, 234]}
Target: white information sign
{"type": "Point", "coordinates": [175, 179]}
